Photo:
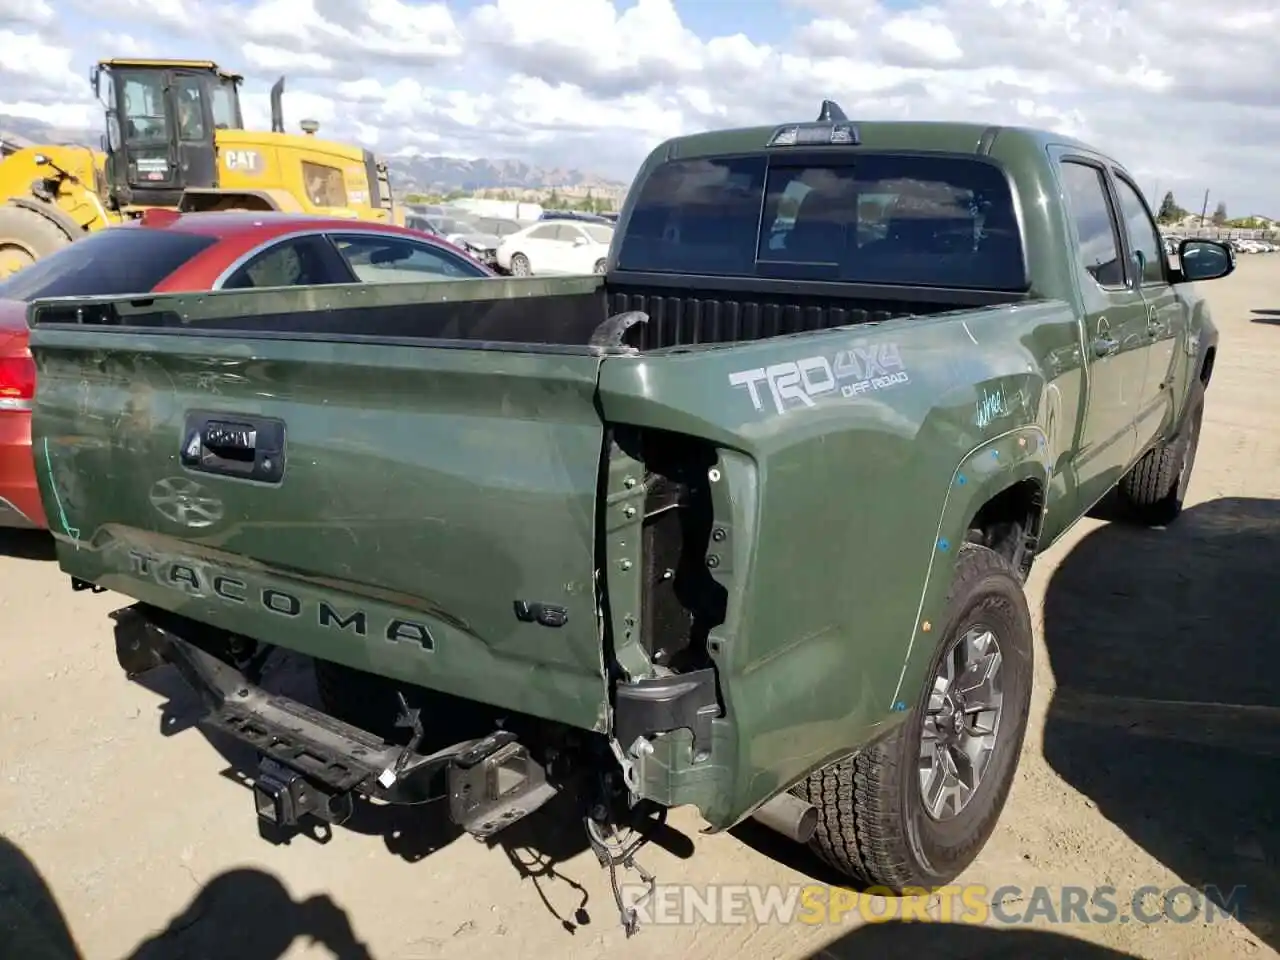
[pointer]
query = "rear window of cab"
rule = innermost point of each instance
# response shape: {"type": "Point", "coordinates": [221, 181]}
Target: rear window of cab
{"type": "Point", "coordinates": [878, 218]}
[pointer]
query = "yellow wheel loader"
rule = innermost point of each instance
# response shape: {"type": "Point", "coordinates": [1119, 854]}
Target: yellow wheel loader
{"type": "Point", "coordinates": [175, 138]}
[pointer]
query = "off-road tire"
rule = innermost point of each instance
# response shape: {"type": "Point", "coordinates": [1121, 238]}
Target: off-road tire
{"type": "Point", "coordinates": [1154, 489]}
{"type": "Point", "coordinates": [516, 270]}
{"type": "Point", "coordinates": [27, 231]}
{"type": "Point", "coordinates": [873, 826]}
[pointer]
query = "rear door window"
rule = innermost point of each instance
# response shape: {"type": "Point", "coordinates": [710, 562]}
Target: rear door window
{"type": "Point", "coordinates": [942, 221]}
{"type": "Point", "coordinates": [297, 262]}
{"type": "Point", "coordinates": [108, 263]}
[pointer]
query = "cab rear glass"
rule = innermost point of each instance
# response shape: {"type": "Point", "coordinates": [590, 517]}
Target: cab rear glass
{"type": "Point", "coordinates": [877, 218]}
{"type": "Point", "coordinates": [107, 263]}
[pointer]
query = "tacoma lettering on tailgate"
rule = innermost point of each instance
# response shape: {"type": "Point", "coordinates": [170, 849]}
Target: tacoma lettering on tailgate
{"type": "Point", "coordinates": [199, 580]}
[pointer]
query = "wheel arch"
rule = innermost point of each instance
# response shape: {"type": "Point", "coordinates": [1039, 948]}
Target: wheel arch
{"type": "Point", "coordinates": [996, 499]}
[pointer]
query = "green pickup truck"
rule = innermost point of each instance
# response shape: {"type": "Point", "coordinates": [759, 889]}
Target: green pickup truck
{"type": "Point", "coordinates": [741, 524]}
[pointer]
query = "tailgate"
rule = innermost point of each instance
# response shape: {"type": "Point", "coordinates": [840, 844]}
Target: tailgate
{"type": "Point", "coordinates": [425, 512]}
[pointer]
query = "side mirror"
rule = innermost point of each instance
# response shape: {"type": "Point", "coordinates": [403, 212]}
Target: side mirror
{"type": "Point", "coordinates": [41, 160]}
{"type": "Point", "coordinates": [1204, 260]}
{"type": "Point", "coordinates": [580, 241]}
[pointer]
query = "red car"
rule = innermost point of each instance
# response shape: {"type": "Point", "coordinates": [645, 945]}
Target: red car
{"type": "Point", "coordinates": [167, 252]}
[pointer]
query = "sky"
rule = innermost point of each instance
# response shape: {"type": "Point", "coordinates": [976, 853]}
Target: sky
{"type": "Point", "coordinates": [1185, 95]}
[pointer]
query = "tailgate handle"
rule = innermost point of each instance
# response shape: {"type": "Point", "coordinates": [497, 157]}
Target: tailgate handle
{"type": "Point", "coordinates": [231, 441]}
{"type": "Point", "coordinates": [251, 448]}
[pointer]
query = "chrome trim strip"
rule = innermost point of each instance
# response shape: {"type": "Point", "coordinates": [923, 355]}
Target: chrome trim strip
{"type": "Point", "coordinates": [13, 403]}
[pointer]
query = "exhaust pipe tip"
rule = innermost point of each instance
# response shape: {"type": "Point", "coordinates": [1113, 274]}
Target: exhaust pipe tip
{"type": "Point", "coordinates": [790, 816]}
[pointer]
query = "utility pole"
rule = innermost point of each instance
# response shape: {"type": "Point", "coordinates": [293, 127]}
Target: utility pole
{"type": "Point", "coordinates": [1205, 209]}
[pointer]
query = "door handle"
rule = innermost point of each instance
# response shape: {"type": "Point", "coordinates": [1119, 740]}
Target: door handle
{"type": "Point", "coordinates": [230, 445]}
{"type": "Point", "coordinates": [1105, 346]}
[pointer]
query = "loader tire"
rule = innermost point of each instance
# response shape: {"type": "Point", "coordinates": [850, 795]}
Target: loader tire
{"type": "Point", "coordinates": [25, 237]}
{"type": "Point", "coordinates": [875, 823]}
{"type": "Point", "coordinates": [1154, 490]}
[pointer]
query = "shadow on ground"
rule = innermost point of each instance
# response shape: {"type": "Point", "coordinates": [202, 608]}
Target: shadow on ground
{"type": "Point", "coordinates": [1266, 316]}
{"type": "Point", "coordinates": [1166, 713]}
{"type": "Point", "coordinates": [896, 940]}
{"type": "Point", "coordinates": [537, 846]}
{"type": "Point", "coordinates": [26, 544]}
{"type": "Point", "coordinates": [246, 913]}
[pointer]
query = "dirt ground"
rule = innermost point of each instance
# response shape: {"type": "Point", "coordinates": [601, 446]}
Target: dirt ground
{"type": "Point", "coordinates": [1152, 749]}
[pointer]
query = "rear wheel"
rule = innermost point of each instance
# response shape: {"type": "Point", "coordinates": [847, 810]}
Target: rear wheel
{"type": "Point", "coordinates": [915, 808]}
{"type": "Point", "coordinates": [599, 267]}
{"type": "Point", "coordinates": [25, 237]}
{"type": "Point", "coordinates": [520, 266]}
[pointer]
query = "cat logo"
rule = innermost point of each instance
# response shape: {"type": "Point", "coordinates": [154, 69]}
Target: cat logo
{"type": "Point", "coordinates": [243, 161]}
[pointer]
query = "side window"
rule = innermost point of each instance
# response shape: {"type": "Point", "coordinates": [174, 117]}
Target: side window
{"type": "Point", "coordinates": [224, 106]}
{"type": "Point", "coordinates": [395, 260]}
{"type": "Point", "coordinates": [567, 233]}
{"type": "Point", "coordinates": [1143, 235]}
{"type": "Point", "coordinates": [547, 232]}
{"type": "Point", "coordinates": [292, 263]}
{"type": "Point", "coordinates": [190, 99]}
{"type": "Point", "coordinates": [1095, 226]}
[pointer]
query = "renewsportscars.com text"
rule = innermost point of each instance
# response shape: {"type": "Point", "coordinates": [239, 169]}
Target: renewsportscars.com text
{"type": "Point", "coordinates": [972, 903]}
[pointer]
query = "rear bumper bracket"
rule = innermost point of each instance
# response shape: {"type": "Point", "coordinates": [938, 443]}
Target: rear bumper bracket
{"type": "Point", "coordinates": [312, 763]}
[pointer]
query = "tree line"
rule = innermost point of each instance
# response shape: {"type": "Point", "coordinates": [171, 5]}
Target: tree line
{"type": "Point", "coordinates": [1171, 212]}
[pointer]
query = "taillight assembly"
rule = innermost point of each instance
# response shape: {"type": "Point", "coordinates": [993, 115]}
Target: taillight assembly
{"type": "Point", "coordinates": [17, 382]}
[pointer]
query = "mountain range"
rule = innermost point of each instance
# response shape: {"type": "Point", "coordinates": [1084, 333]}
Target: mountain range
{"type": "Point", "coordinates": [409, 173]}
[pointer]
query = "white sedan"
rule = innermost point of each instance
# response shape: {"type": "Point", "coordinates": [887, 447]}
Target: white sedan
{"type": "Point", "coordinates": [551, 247]}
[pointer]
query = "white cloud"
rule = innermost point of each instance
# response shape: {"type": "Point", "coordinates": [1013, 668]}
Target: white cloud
{"type": "Point", "coordinates": [36, 13]}
{"type": "Point", "coordinates": [1185, 96]}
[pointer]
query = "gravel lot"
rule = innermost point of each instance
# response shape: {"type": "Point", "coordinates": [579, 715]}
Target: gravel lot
{"type": "Point", "coordinates": [1152, 749]}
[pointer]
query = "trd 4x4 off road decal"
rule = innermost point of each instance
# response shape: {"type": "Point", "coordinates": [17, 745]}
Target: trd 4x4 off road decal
{"type": "Point", "coordinates": [863, 368]}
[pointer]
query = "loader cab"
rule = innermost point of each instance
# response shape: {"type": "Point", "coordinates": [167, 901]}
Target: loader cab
{"type": "Point", "coordinates": [162, 116]}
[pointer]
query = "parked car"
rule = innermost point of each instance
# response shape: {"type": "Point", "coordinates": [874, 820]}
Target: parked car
{"type": "Point", "coordinates": [734, 528]}
{"type": "Point", "coordinates": [425, 209]}
{"type": "Point", "coordinates": [500, 227]}
{"type": "Point", "coordinates": [166, 252]}
{"type": "Point", "coordinates": [463, 231]}
{"type": "Point", "coordinates": [555, 247]}
{"type": "Point", "coordinates": [573, 215]}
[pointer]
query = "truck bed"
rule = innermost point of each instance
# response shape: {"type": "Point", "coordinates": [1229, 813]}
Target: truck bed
{"type": "Point", "coordinates": [564, 312]}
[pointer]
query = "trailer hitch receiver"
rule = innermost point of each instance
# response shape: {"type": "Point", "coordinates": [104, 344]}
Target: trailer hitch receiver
{"type": "Point", "coordinates": [283, 797]}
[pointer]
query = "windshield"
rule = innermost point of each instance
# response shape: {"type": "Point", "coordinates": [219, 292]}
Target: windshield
{"type": "Point", "coordinates": [598, 232]}
{"type": "Point", "coordinates": [108, 263]}
{"type": "Point", "coordinates": [944, 221]}
{"type": "Point", "coordinates": [497, 226]}
{"type": "Point", "coordinates": [448, 225]}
